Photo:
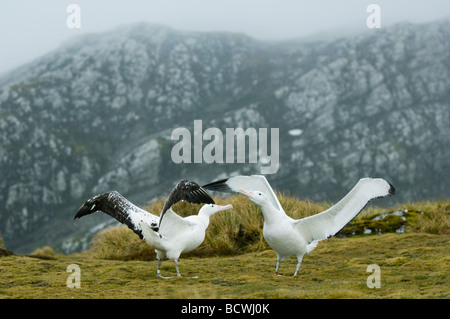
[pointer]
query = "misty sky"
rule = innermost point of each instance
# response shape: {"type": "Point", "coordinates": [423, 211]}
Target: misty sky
{"type": "Point", "coordinates": [30, 28]}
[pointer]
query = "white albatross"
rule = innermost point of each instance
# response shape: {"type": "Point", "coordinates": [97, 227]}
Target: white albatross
{"type": "Point", "coordinates": [170, 234]}
{"type": "Point", "coordinates": [297, 237]}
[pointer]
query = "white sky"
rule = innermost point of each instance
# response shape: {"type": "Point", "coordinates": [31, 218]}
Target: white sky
{"type": "Point", "coordinates": [30, 28]}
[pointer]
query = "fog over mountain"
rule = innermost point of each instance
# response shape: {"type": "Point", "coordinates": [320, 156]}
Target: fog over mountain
{"type": "Point", "coordinates": [97, 114]}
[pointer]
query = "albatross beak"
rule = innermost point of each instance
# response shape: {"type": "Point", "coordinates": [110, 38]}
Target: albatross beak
{"type": "Point", "coordinates": [246, 193]}
{"type": "Point", "coordinates": [226, 207]}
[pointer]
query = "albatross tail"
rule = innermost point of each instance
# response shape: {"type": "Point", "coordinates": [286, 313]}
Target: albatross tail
{"type": "Point", "coordinates": [153, 238]}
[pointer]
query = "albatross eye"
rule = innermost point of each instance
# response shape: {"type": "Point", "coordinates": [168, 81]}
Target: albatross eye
{"type": "Point", "coordinates": [259, 194]}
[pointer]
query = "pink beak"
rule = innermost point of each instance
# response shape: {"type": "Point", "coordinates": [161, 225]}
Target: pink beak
{"type": "Point", "coordinates": [225, 207]}
{"type": "Point", "coordinates": [246, 193]}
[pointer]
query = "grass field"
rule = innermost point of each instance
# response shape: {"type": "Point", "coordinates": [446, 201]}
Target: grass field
{"type": "Point", "coordinates": [414, 264]}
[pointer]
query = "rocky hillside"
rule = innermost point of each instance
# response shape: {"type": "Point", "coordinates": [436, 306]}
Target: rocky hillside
{"type": "Point", "coordinates": [97, 115]}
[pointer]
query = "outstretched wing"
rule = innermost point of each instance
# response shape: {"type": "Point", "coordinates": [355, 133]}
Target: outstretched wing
{"type": "Point", "coordinates": [117, 206]}
{"type": "Point", "coordinates": [330, 221]}
{"type": "Point", "coordinates": [250, 183]}
{"type": "Point", "coordinates": [188, 191]}
{"type": "Point", "coordinates": [173, 224]}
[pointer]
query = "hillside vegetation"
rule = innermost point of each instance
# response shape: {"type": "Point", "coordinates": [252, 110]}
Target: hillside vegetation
{"type": "Point", "coordinates": [235, 262]}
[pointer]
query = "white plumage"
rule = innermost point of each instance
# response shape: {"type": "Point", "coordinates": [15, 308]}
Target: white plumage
{"type": "Point", "coordinates": [290, 237]}
{"type": "Point", "coordinates": [170, 234]}
{"type": "Point", "coordinates": [179, 235]}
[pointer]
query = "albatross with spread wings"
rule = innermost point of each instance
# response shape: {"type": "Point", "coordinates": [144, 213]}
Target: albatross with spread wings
{"type": "Point", "coordinates": [168, 233]}
{"type": "Point", "coordinates": [291, 237]}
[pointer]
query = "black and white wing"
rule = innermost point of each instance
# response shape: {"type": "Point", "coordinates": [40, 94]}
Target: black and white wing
{"type": "Point", "coordinates": [329, 222]}
{"type": "Point", "coordinates": [249, 183]}
{"type": "Point", "coordinates": [188, 191]}
{"type": "Point", "coordinates": [117, 206]}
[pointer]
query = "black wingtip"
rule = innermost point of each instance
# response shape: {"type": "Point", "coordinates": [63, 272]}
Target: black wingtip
{"type": "Point", "coordinates": [220, 186]}
{"type": "Point", "coordinates": [86, 209]}
{"type": "Point", "coordinates": [81, 212]}
{"type": "Point", "coordinates": [206, 198]}
{"type": "Point", "coordinates": [391, 189]}
{"type": "Point", "coordinates": [199, 196]}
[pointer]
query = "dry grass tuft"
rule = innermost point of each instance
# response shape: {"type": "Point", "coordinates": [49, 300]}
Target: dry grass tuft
{"type": "Point", "coordinates": [432, 217]}
{"type": "Point", "coordinates": [45, 252]}
{"type": "Point", "coordinates": [120, 243]}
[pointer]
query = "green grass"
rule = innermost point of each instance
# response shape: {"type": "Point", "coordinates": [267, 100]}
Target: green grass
{"type": "Point", "coordinates": [235, 262]}
{"type": "Point", "coordinates": [412, 266]}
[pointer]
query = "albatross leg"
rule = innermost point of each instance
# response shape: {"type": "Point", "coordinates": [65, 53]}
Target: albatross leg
{"type": "Point", "coordinates": [299, 261]}
{"type": "Point", "coordinates": [277, 266]}
{"type": "Point", "coordinates": [158, 271]}
{"type": "Point", "coordinates": [176, 267]}
{"type": "Point", "coordinates": [178, 272]}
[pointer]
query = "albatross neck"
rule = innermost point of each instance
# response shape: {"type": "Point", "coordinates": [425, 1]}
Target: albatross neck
{"type": "Point", "coordinates": [203, 219]}
{"type": "Point", "coordinates": [270, 213]}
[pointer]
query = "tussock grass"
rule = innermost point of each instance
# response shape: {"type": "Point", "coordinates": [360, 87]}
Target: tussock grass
{"type": "Point", "coordinates": [239, 230]}
{"type": "Point", "coordinates": [120, 243]}
{"type": "Point", "coordinates": [3, 250]}
{"type": "Point", "coordinates": [45, 252]}
{"type": "Point", "coordinates": [432, 217]}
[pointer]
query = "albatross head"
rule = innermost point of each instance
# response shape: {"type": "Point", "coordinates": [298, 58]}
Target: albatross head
{"type": "Point", "coordinates": [211, 209]}
{"type": "Point", "coordinates": [257, 197]}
